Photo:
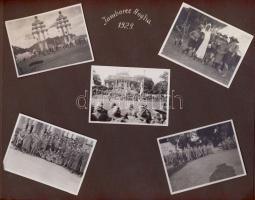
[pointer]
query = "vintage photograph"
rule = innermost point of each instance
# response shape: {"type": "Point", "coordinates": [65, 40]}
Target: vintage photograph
{"type": "Point", "coordinates": [205, 45]}
{"type": "Point", "coordinates": [49, 40]}
{"type": "Point", "coordinates": [201, 157]}
{"type": "Point", "coordinates": [48, 154]}
{"type": "Point", "coordinates": [129, 95]}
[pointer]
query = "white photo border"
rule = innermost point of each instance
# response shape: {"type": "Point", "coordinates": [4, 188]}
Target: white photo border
{"type": "Point", "coordinates": [190, 68]}
{"type": "Point", "coordinates": [142, 124]}
{"type": "Point", "coordinates": [53, 68]}
{"type": "Point", "coordinates": [46, 183]}
{"type": "Point", "coordinates": [206, 184]}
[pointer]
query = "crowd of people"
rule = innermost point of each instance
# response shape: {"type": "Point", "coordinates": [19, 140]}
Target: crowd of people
{"type": "Point", "coordinates": [108, 94]}
{"type": "Point", "coordinates": [228, 143]}
{"type": "Point", "coordinates": [179, 157]}
{"type": "Point", "coordinates": [140, 114]}
{"type": "Point", "coordinates": [211, 47]}
{"type": "Point", "coordinates": [56, 148]}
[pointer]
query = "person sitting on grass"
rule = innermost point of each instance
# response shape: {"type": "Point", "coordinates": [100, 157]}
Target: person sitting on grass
{"type": "Point", "coordinates": [101, 114]}
{"type": "Point", "coordinates": [114, 112]}
{"type": "Point", "coordinates": [132, 111]}
{"type": "Point", "coordinates": [144, 114]}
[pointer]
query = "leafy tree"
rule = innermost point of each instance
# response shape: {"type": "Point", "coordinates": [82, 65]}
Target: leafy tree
{"type": "Point", "coordinates": [164, 76]}
{"type": "Point", "coordinates": [148, 85]}
{"type": "Point", "coordinates": [97, 79]}
{"type": "Point", "coordinates": [162, 86]}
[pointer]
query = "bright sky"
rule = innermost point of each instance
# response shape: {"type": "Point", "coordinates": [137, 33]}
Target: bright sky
{"type": "Point", "coordinates": [153, 73]}
{"type": "Point", "coordinates": [18, 29]}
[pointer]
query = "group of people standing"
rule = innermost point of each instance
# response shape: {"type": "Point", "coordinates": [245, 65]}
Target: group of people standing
{"type": "Point", "coordinates": [179, 157]}
{"type": "Point", "coordinates": [209, 46]}
{"type": "Point", "coordinates": [228, 143]}
{"type": "Point", "coordinates": [56, 148]}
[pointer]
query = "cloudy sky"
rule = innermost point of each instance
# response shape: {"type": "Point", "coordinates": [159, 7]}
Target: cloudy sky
{"type": "Point", "coordinates": [18, 29]}
{"type": "Point", "coordinates": [153, 73]}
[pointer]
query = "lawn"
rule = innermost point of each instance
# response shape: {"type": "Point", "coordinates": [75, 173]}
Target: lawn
{"type": "Point", "coordinates": [217, 166]}
{"type": "Point", "coordinates": [54, 60]}
{"type": "Point", "coordinates": [40, 170]}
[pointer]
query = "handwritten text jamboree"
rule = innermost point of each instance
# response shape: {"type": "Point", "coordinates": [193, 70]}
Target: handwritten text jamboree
{"type": "Point", "coordinates": [127, 25]}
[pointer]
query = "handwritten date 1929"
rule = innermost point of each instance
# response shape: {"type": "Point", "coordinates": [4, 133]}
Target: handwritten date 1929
{"type": "Point", "coordinates": [126, 25]}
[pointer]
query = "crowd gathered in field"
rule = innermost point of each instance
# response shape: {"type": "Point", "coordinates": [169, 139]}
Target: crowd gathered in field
{"type": "Point", "coordinates": [56, 148]}
{"type": "Point", "coordinates": [135, 114]}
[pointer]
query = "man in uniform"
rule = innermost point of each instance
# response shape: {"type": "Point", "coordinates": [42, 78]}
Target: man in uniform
{"type": "Point", "coordinates": [194, 41]}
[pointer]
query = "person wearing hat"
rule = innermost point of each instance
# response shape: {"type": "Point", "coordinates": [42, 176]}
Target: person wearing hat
{"type": "Point", "coordinates": [114, 112]}
{"type": "Point", "coordinates": [230, 57]}
{"type": "Point", "coordinates": [93, 116]}
{"type": "Point", "coordinates": [193, 41]}
{"type": "Point", "coordinates": [27, 142]}
{"type": "Point", "coordinates": [144, 114]}
{"type": "Point", "coordinates": [221, 50]}
{"type": "Point", "coordinates": [100, 113]}
{"type": "Point", "coordinates": [131, 111]}
{"type": "Point", "coordinates": [211, 49]}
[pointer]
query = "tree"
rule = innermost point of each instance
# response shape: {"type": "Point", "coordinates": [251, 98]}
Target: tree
{"type": "Point", "coordinates": [97, 79]}
{"type": "Point", "coordinates": [148, 83]}
{"type": "Point", "coordinates": [164, 76]}
{"type": "Point", "coordinates": [162, 86]}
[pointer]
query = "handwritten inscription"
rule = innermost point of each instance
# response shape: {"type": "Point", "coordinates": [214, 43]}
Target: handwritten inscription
{"type": "Point", "coordinates": [126, 25]}
{"type": "Point", "coordinates": [141, 16]}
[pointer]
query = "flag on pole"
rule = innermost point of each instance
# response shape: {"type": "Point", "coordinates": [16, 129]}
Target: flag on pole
{"type": "Point", "coordinates": [141, 87]}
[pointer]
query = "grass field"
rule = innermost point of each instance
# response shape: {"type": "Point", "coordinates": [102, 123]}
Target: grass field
{"type": "Point", "coordinates": [60, 58]}
{"type": "Point", "coordinates": [40, 170]}
{"type": "Point", "coordinates": [202, 170]}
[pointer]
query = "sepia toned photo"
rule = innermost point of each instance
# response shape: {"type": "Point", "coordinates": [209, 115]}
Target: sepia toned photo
{"type": "Point", "coordinates": [49, 40]}
{"type": "Point", "coordinates": [48, 154]}
{"type": "Point", "coordinates": [201, 157]}
{"type": "Point", "coordinates": [205, 45]}
{"type": "Point", "coordinates": [129, 95]}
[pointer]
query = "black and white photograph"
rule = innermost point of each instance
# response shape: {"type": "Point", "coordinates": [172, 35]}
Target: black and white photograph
{"type": "Point", "coordinates": [48, 154]}
{"type": "Point", "coordinates": [49, 40]}
{"type": "Point", "coordinates": [129, 95]}
{"type": "Point", "coordinates": [202, 156]}
{"type": "Point", "coordinates": [205, 45]}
